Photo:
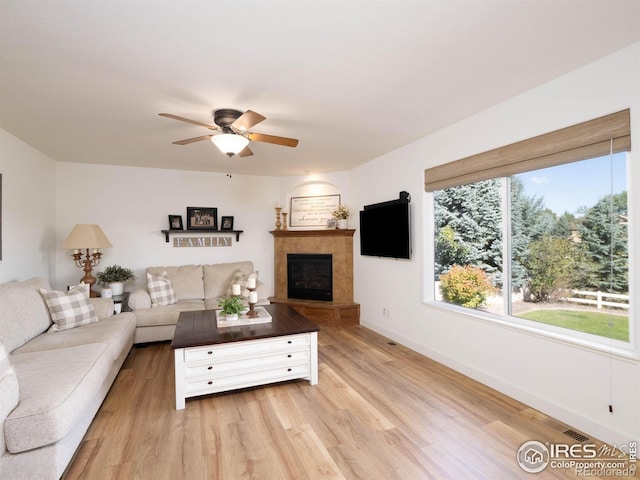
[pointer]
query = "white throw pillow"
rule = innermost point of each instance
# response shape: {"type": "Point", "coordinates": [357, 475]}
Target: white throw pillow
{"type": "Point", "coordinates": [69, 309]}
{"type": "Point", "coordinates": [160, 290]}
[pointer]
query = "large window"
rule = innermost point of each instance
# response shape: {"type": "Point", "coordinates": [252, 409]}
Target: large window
{"type": "Point", "coordinates": [546, 245]}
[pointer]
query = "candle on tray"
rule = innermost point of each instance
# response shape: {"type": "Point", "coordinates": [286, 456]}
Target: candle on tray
{"type": "Point", "coordinates": [235, 289]}
{"type": "Point", "coordinates": [253, 297]}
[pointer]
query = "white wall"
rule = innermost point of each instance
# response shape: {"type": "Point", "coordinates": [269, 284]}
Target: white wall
{"type": "Point", "coordinates": [131, 206]}
{"type": "Point", "coordinates": [317, 185]}
{"type": "Point", "coordinates": [43, 200]}
{"type": "Point", "coordinates": [574, 384]}
{"type": "Point", "coordinates": [28, 211]}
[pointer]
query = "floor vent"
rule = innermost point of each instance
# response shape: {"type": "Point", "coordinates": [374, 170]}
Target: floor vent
{"type": "Point", "coordinates": [575, 435]}
{"type": "Point", "coordinates": [393, 344]}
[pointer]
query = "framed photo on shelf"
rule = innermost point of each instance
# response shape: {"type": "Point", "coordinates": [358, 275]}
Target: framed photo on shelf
{"type": "Point", "coordinates": [226, 223]}
{"type": "Point", "coordinates": [332, 224]}
{"type": "Point", "coordinates": [202, 218]}
{"type": "Point", "coordinates": [175, 222]}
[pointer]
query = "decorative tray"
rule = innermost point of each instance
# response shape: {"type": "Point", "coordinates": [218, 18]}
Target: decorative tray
{"type": "Point", "coordinates": [263, 317]}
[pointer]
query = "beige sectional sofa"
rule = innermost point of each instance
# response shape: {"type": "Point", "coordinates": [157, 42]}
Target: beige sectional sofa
{"type": "Point", "coordinates": [196, 287]}
{"type": "Point", "coordinates": [52, 382]}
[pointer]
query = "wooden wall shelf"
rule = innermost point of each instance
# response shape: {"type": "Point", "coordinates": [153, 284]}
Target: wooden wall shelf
{"type": "Point", "coordinates": [168, 233]}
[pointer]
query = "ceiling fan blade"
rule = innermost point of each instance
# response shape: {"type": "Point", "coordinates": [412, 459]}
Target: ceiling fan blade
{"type": "Point", "coordinates": [193, 122]}
{"type": "Point", "coordinates": [261, 137]}
{"type": "Point", "coordinates": [245, 152]}
{"type": "Point", "coordinates": [247, 120]}
{"type": "Point", "coordinates": [192, 140]}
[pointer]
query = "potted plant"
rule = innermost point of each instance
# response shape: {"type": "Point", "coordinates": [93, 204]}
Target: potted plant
{"type": "Point", "coordinates": [114, 277]}
{"type": "Point", "coordinates": [341, 214]}
{"type": "Point", "coordinates": [231, 307]}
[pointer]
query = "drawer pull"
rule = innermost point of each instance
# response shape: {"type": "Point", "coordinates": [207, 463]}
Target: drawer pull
{"type": "Point", "coordinates": [209, 367]}
{"type": "Point", "coordinates": [288, 369]}
{"type": "Point", "coordinates": [209, 352]}
{"type": "Point", "coordinates": [289, 356]}
{"type": "Point", "coordinates": [289, 341]}
{"type": "Point", "coordinates": [210, 382]}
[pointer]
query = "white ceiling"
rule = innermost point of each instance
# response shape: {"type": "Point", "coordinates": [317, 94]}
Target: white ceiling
{"type": "Point", "coordinates": [84, 80]}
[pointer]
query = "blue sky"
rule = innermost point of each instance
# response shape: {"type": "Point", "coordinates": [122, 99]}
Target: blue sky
{"type": "Point", "coordinates": [574, 185]}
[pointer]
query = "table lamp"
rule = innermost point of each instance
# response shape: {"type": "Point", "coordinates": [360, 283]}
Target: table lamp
{"type": "Point", "coordinates": [90, 238]}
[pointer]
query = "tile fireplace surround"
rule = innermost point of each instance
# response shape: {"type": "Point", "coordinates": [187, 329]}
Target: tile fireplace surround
{"type": "Point", "coordinates": [342, 310]}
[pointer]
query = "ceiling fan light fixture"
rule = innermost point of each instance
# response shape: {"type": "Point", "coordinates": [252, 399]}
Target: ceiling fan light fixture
{"type": "Point", "coordinates": [230, 143]}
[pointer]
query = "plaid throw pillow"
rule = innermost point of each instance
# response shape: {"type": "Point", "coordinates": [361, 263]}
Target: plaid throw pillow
{"type": "Point", "coordinates": [160, 290]}
{"type": "Point", "coordinates": [69, 309]}
{"type": "Point", "coordinates": [241, 279]}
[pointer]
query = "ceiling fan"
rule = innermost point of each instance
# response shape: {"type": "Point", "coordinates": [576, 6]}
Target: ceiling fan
{"type": "Point", "coordinates": [233, 127]}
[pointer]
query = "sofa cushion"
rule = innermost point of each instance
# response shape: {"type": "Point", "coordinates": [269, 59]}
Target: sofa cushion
{"type": "Point", "coordinates": [186, 279]}
{"type": "Point", "coordinates": [116, 331]}
{"type": "Point", "coordinates": [139, 299]}
{"type": "Point", "coordinates": [217, 277]}
{"type": "Point", "coordinates": [5, 363]}
{"type": "Point", "coordinates": [9, 390]}
{"type": "Point", "coordinates": [56, 389]}
{"type": "Point", "coordinates": [161, 290]}
{"type": "Point", "coordinates": [23, 313]}
{"type": "Point", "coordinates": [149, 317]}
{"type": "Point", "coordinates": [103, 307]}
{"type": "Point", "coordinates": [69, 309]}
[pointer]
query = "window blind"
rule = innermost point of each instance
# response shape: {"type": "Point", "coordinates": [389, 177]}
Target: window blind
{"type": "Point", "coordinates": [571, 144]}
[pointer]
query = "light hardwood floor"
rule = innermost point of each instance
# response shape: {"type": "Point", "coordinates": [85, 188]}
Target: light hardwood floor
{"type": "Point", "coordinates": [380, 411]}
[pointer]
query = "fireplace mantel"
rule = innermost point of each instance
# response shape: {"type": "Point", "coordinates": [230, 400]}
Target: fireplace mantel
{"type": "Point", "coordinates": [313, 233]}
{"type": "Point", "coordinates": [339, 243]}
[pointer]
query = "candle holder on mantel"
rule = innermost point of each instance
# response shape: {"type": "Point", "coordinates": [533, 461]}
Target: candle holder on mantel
{"type": "Point", "coordinates": [278, 224]}
{"type": "Point", "coordinates": [284, 220]}
{"type": "Point", "coordinates": [252, 305]}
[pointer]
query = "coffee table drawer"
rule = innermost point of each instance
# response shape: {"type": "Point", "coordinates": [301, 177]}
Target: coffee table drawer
{"type": "Point", "coordinates": [239, 349]}
{"type": "Point", "coordinates": [220, 366]}
{"type": "Point", "coordinates": [247, 379]}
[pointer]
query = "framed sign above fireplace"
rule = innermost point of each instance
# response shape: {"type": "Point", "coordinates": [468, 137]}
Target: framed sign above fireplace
{"type": "Point", "coordinates": [312, 211]}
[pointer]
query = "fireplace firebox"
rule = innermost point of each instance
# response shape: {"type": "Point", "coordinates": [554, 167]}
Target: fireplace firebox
{"type": "Point", "coordinates": [309, 276]}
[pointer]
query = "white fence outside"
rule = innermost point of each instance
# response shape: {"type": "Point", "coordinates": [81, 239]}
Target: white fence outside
{"type": "Point", "coordinates": [598, 301]}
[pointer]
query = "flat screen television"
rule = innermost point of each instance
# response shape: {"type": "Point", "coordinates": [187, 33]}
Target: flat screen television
{"type": "Point", "coordinates": [385, 229]}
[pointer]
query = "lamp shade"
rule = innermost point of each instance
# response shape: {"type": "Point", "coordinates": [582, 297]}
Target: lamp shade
{"type": "Point", "coordinates": [86, 236]}
{"type": "Point", "coordinates": [230, 143]}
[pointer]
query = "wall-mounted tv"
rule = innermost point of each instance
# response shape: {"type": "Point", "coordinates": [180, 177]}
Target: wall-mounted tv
{"type": "Point", "coordinates": [385, 228]}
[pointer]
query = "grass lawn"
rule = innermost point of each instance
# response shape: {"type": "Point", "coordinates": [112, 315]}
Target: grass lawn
{"type": "Point", "coordinates": [583, 321]}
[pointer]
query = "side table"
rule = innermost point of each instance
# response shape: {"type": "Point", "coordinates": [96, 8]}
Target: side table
{"type": "Point", "coordinates": [121, 302]}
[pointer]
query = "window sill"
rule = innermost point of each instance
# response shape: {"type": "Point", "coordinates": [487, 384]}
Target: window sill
{"type": "Point", "coordinates": [551, 333]}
